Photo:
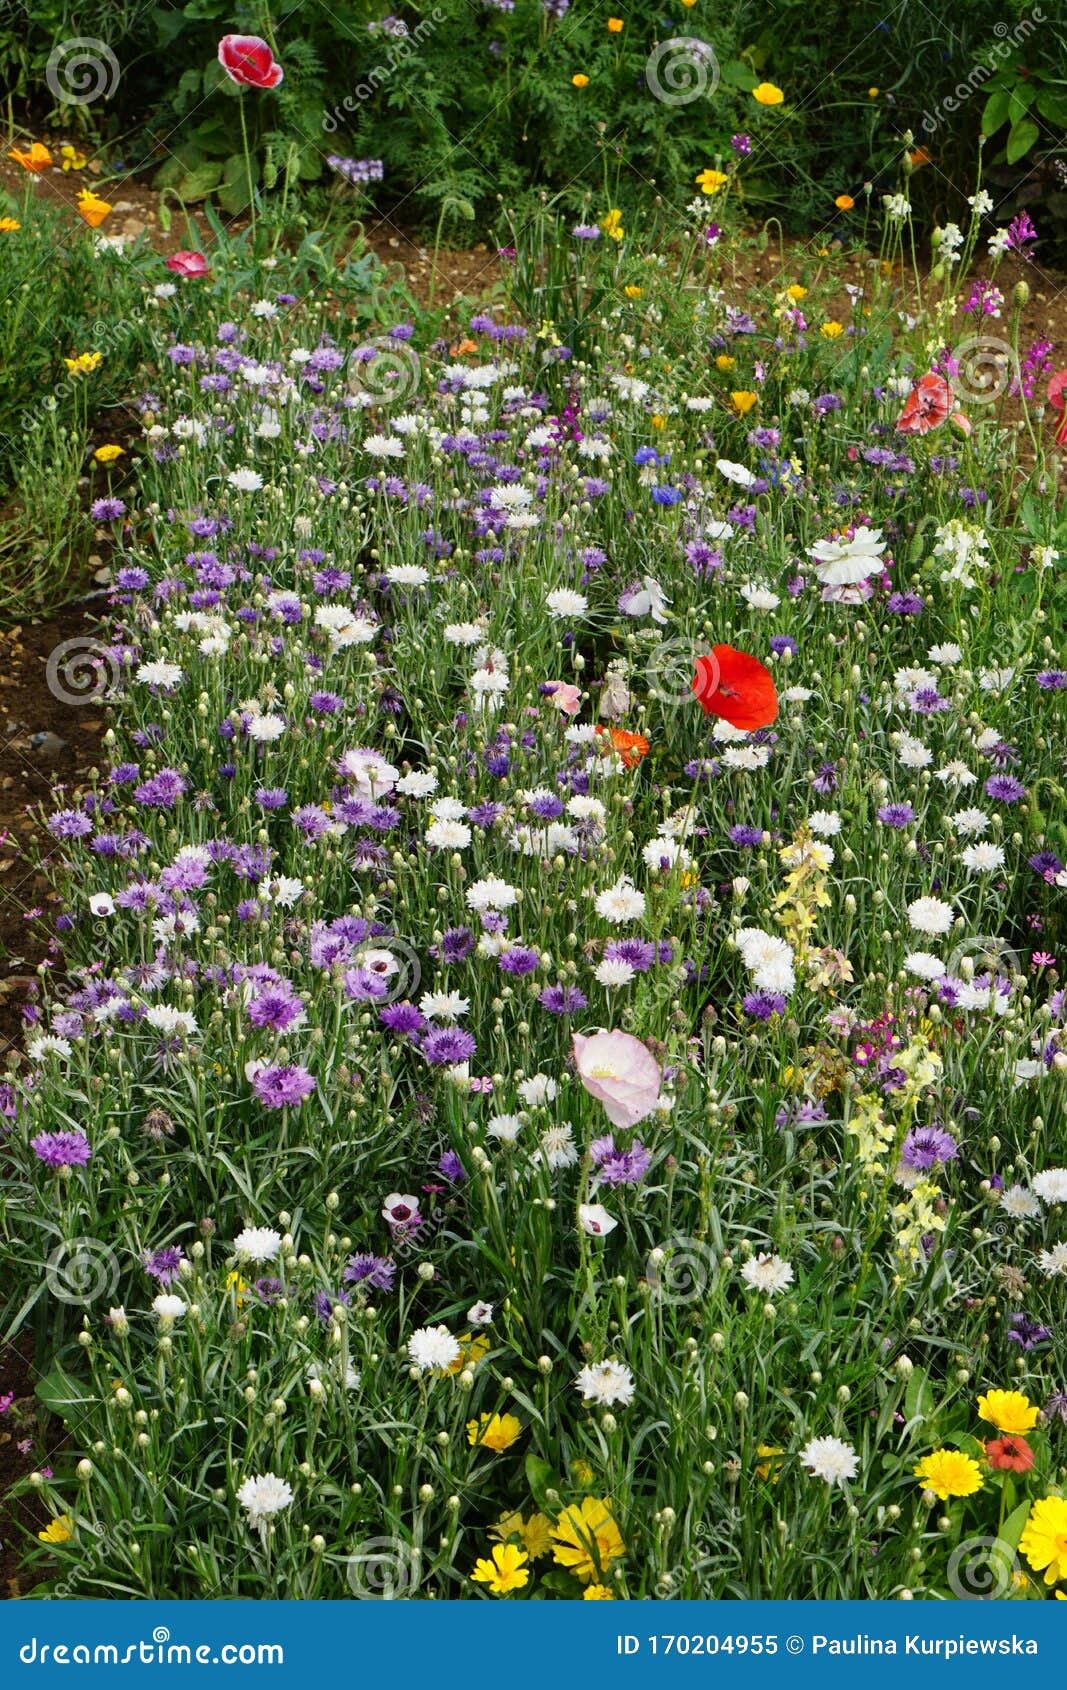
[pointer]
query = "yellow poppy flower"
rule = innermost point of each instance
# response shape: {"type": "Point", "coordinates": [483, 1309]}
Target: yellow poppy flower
{"type": "Point", "coordinates": [710, 181]}
{"type": "Point", "coordinates": [580, 81]}
{"type": "Point", "coordinates": [34, 158]}
{"type": "Point", "coordinates": [8, 225]}
{"type": "Point", "coordinates": [92, 208]}
{"type": "Point", "coordinates": [844, 202]}
{"type": "Point", "coordinates": [108, 454]}
{"type": "Point", "coordinates": [743, 402]}
{"type": "Point", "coordinates": [614, 26]}
{"type": "Point", "coordinates": [505, 1571]}
{"type": "Point", "coordinates": [766, 94]}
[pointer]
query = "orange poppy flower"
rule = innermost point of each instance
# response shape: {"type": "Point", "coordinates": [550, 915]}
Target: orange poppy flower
{"type": "Point", "coordinates": [736, 686]}
{"type": "Point", "coordinates": [927, 405]}
{"type": "Point", "coordinates": [35, 159]}
{"type": "Point", "coordinates": [918, 158]}
{"type": "Point", "coordinates": [1009, 1455]}
{"type": "Point", "coordinates": [630, 747]}
{"type": "Point", "coordinates": [464, 347]}
{"type": "Point", "coordinates": [844, 202]}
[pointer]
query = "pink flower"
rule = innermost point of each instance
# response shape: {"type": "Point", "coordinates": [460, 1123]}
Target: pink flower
{"type": "Point", "coordinates": [620, 1073]}
{"type": "Point", "coordinates": [248, 61]}
{"type": "Point", "coordinates": [187, 263]}
{"type": "Point", "coordinates": [566, 698]}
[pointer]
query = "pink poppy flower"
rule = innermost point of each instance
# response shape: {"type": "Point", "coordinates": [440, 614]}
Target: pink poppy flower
{"type": "Point", "coordinates": [187, 264]}
{"type": "Point", "coordinates": [248, 61]}
{"type": "Point", "coordinates": [620, 1073]}
{"type": "Point", "coordinates": [566, 698]}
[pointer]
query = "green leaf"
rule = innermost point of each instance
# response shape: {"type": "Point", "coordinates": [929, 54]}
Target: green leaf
{"type": "Point", "coordinates": [1053, 106]}
{"type": "Point", "coordinates": [1012, 1529]}
{"type": "Point", "coordinates": [60, 1393]}
{"type": "Point", "coordinates": [1020, 100]}
{"type": "Point", "coordinates": [233, 194]}
{"type": "Point", "coordinates": [198, 183]}
{"type": "Point", "coordinates": [1021, 139]}
{"type": "Point", "coordinates": [737, 74]}
{"type": "Point", "coordinates": [540, 1478]}
{"type": "Point", "coordinates": [995, 114]}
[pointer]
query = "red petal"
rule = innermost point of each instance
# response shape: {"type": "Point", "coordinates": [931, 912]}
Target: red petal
{"type": "Point", "coordinates": [736, 686]}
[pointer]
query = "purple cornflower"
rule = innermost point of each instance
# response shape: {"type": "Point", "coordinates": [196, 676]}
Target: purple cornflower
{"type": "Point", "coordinates": [825, 778]}
{"type": "Point", "coordinates": [107, 510]}
{"type": "Point", "coordinates": [746, 836]}
{"type": "Point", "coordinates": [282, 1086]}
{"type": "Point", "coordinates": [276, 1007]}
{"type": "Point", "coordinates": [456, 944]}
{"type": "Point", "coordinates": [1005, 789]}
{"type": "Point", "coordinates": [619, 1167]}
{"type": "Point", "coordinates": [925, 1147]}
{"type": "Point", "coordinates": [165, 1264]}
{"type": "Point", "coordinates": [562, 1000]}
{"type": "Point", "coordinates": [162, 791]}
{"type": "Point", "coordinates": [519, 960]}
{"type": "Point", "coordinates": [896, 815]}
{"type": "Point", "coordinates": [444, 1045]}
{"type": "Point", "coordinates": [762, 1005]}
{"type": "Point", "coordinates": [376, 1272]}
{"type": "Point", "coordinates": [451, 1167]}
{"type": "Point", "coordinates": [403, 1019]}
{"type": "Point", "coordinates": [1025, 1332]}
{"type": "Point", "coordinates": [639, 953]}
{"type": "Point", "coordinates": [61, 1150]}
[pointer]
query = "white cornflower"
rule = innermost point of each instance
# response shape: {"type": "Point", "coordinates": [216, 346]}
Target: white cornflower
{"type": "Point", "coordinates": [383, 446]}
{"type": "Point", "coordinates": [420, 783]}
{"type": "Point", "coordinates": [506, 1128]}
{"type": "Point", "coordinates": [830, 1459]}
{"type": "Point", "coordinates": [168, 1307]}
{"type": "Point", "coordinates": [1053, 1263]}
{"type": "Point", "coordinates": [258, 1244]}
{"type": "Point", "coordinates": [615, 973]}
{"type": "Point", "coordinates": [558, 1148]}
{"type": "Point", "coordinates": [759, 597]}
{"type": "Point", "coordinates": [931, 916]}
{"type": "Point", "coordinates": [970, 821]}
{"type": "Point", "coordinates": [984, 857]}
{"type": "Point", "coordinates": [620, 903]}
{"type": "Point", "coordinates": [463, 633]}
{"type": "Point", "coordinates": [443, 1006]}
{"type": "Point", "coordinates": [609, 1384]}
{"type": "Point", "coordinates": [245, 480]}
{"type": "Point", "coordinates": [266, 729]}
{"type": "Point", "coordinates": [737, 473]}
{"type": "Point", "coordinates": [447, 836]}
{"type": "Point", "coordinates": [767, 1274]}
{"type": "Point", "coordinates": [539, 1088]}
{"type": "Point", "coordinates": [433, 1347]}
{"type": "Point", "coordinates": [563, 603]}
{"type": "Point", "coordinates": [491, 894]}
{"type": "Point", "coordinates": [407, 575]}
{"type": "Point", "coordinates": [48, 1044]}
{"type": "Point", "coordinates": [262, 1497]}
{"type": "Point", "coordinates": [1020, 1203]}
{"type": "Point", "coordinates": [1051, 1186]}
{"type": "Point", "coordinates": [170, 1022]}
{"type": "Point", "coordinates": [826, 823]}
{"type": "Point", "coordinates": [924, 965]}
{"type": "Point", "coordinates": [160, 674]}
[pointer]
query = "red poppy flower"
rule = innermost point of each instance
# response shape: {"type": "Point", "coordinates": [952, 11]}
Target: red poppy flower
{"type": "Point", "coordinates": [630, 747]}
{"type": "Point", "coordinates": [737, 687]}
{"type": "Point", "coordinates": [187, 264]}
{"type": "Point", "coordinates": [1056, 388]}
{"type": "Point", "coordinates": [1009, 1455]}
{"type": "Point", "coordinates": [927, 405]}
{"type": "Point", "coordinates": [248, 60]}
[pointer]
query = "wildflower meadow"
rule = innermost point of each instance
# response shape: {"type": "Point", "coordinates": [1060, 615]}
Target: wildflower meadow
{"type": "Point", "coordinates": [546, 1075]}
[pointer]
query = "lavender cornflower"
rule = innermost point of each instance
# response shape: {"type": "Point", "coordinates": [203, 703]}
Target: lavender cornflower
{"type": "Point", "coordinates": [925, 1147]}
{"type": "Point", "coordinates": [280, 1087]}
{"type": "Point", "coordinates": [1025, 1332]}
{"type": "Point", "coordinates": [375, 1272]}
{"type": "Point", "coordinates": [61, 1150]}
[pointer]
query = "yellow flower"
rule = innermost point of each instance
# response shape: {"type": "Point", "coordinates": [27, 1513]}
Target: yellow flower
{"type": "Point", "coordinates": [657, 421]}
{"type": "Point", "coordinates": [766, 94]}
{"type": "Point", "coordinates": [948, 1473]}
{"type": "Point", "coordinates": [586, 1539]}
{"type": "Point", "coordinates": [769, 1468]}
{"type": "Point", "coordinates": [1044, 1539]}
{"type": "Point", "coordinates": [534, 1533]}
{"type": "Point", "coordinates": [239, 1286]}
{"type": "Point", "coordinates": [725, 362]}
{"type": "Point", "coordinates": [614, 26]}
{"type": "Point", "coordinates": [505, 1572]}
{"type": "Point", "coordinates": [831, 330]}
{"type": "Point", "coordinates": [844, 202]}
{"type": "Point", "coordinates": [59, 1530]}
{"type": "Point", "coordinates": [743, 401]}
{"type": "Point", "coordinates": [83, 362]}
{"type": "Point", "coordinates": [795, 292]}
{"type": "Point", "coordinates": [598, 1593]}
{"type": "Point", "coordinates": [35, 159]}
{"type": "Point", "coordinates": [72, 158]}
{"type": "Point", "coordinates": [873, 93]}
{"type": "Point", "coordinates": [710, 181]}
{"type": "Point", "coordinates": [8, 225]}
{"type": "Point", "coordinates": [611, 224]}
{"type": "Point", "coordinates": [108, 454]}
{"type": "Point", "coordinates": [580, 81]}
{"type": "Point", "coordinates": [633, 292]}
{"type": "Point", "coordinates": [92, 208]}
{"type": "Point", "coordinates": [494, 1431]}
{"type": "Point", "coordinates": [582, 1473]}
{"type": "Point", "coordinates": [689, 4]}
{"type": "Point", "coordinates": [471, 1351]}
{"type": "Point", "coordinates": [1008, 1411]}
